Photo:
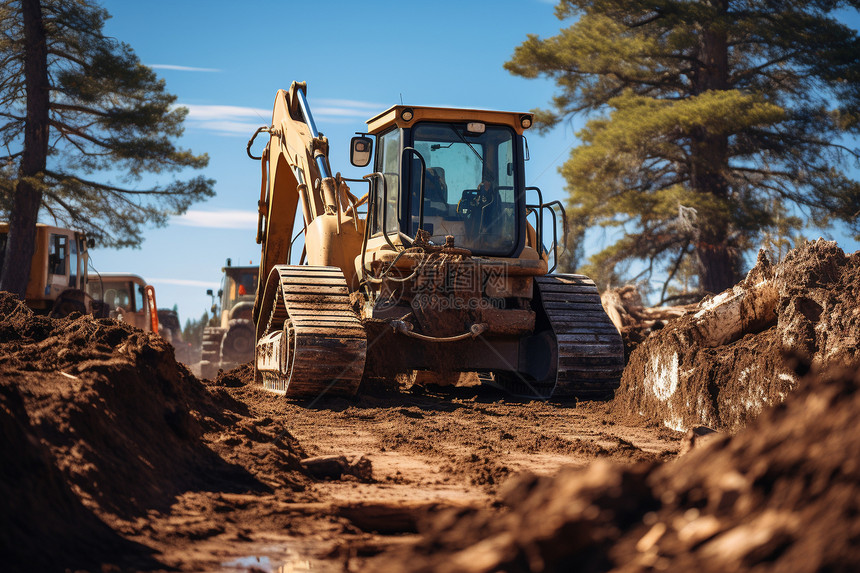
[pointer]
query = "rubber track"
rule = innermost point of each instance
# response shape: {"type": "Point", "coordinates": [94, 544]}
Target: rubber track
{"type": "Point", "coordinates": [590, 351]}
{"type": "Point", "coordinates": [327, 341]}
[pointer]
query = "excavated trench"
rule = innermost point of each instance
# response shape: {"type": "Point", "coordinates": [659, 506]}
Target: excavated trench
{"type": "Point", "coordinates": [115, 457]}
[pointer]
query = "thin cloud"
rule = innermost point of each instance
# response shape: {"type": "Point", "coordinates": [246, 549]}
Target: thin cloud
{"type": "Point", "coordinates": [203, 112]}
{"type": "Point", "coordinates": [184, 282]}
{"type": "Point", "coordinates": [224, 219]}
{"type": "Point", "coordinates": [228, 127]}
{"type": "Point", "coordinates": [351, 103]}
{"type": "Point", "coordinates": [233, 119]}
{"type": "Point", "coordinates": [226, 119]}
{"type": "Point", "coordinates": [339, 112]}
{"type": "Point", "coordinates": [181, 68]}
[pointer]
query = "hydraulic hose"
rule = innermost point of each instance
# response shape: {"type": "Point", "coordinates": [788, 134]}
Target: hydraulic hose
{"type": "Point", "coordinates": [404, 327]}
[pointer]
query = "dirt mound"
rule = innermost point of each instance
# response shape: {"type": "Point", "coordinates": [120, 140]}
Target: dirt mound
{"type": "Point", "coordinates": [101, 428]}
{"type": "Point", "coordinates": [783, 495]}
{"type": "Point", "coordinates": [38, 504]}
{"type": "Point", "coordinates": [722, 365]}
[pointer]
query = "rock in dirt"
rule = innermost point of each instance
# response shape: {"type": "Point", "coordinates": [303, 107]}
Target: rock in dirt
{"type": "Point", "coordinates": [335, 467]}
{"type": "Point", "coordinates": [696, 438]}
{"type": "Point", "coordinates": [101, 427]}
{"type": "Point", "coordinates": [782, 495]}
{"type": "Point", "coordinates": [721, 366]}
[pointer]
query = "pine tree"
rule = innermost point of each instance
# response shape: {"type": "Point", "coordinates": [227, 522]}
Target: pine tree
{"type": "Point", "coordinates": [81, 122]}
{"type": "Point", "coordinates": [193, 331]}
{"type": "Point", "coordinates": [712, 124]}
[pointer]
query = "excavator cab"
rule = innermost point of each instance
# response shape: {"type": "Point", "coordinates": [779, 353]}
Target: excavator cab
{"type": "Point", "coordinates": [58, 282]}
{"type": "Point", "coordinates": [443, 272]}
{"type": "Point", "coordinates": [471, 189]}
{"type": "Point", "coordinates": [445, 173]}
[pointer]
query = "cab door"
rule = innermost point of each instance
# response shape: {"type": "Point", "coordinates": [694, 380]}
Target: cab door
{"type": "Point", "coordinates": [58, 265]}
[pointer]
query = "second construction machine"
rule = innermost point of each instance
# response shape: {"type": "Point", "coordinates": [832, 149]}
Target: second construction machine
{"type": "Point", "coordinates": [229, 339]}
{"type": "Point", "coordinates": [445, 270]}
{"type": "Point", "coordinates": [59, 282]}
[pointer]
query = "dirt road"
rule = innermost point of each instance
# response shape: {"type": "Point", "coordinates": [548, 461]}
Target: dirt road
{"type": "Point", "coordinates": [428, 450]}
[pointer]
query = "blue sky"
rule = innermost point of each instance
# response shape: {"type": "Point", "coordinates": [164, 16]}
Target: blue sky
{"type": "Point", "coordinates": [225, 61]}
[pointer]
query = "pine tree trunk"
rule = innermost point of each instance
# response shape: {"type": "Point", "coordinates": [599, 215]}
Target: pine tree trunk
{"type": "Point", "coordinates": [718, 262]}
{"type": "Point", "coordinates": [24, 213]}
{"type": "Point", "coordinates": [718, 267]}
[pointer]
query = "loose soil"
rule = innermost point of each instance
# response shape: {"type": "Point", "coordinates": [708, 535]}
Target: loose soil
{"type": "Point", "coordinates": [784, 495]}
{"type": "Point", "coordinates": [117, 458]}
{"type": "Point", "coordinates": [122, 458]}
{"type": "Point", "coordinates": [675, 379]}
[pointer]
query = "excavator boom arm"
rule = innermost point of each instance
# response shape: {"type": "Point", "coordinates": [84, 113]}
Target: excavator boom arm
{"type": "Point", "coordinates": [295, 173]}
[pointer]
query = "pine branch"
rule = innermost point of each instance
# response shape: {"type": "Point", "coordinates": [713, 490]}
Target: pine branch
{"type": "Point", "coordinates": [674, 270]}
{"type": "Point", "coordinates": [80, 109]}
{"type": "Point", "coordinates": [67, 56]}
{"type": "Point", "coordinates": [13, 117]}
{"type": "Point", "coordinates": [751, 72]}
{"type": "Point", "coordinates": [120, 191]}
{"type": "Point", "coordinates": [658, 14]}
{"type": "Point", "coordinates": [74, 213]}
{"type": "Point", "coordinates": [11, 156]}
{"type": "Point", "coordinates": [67, 130]}
{"type": "Point", "coordinates": [767, 172]}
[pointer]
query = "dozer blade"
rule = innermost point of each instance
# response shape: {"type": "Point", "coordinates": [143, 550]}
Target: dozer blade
{"type": "Point", "coordinates": [314, 343]}
{"type": "Point", "coordinates": [590, 351]}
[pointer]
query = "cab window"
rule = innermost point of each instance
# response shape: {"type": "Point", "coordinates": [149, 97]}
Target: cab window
{"type": "Point", "coordinates": [469, 186]}
{"type": "Point", "coordinates": [138, 296]}
{"type": "Point", "coordinates": [73, 264]}
{"type": "Point", "coordinates": [116, 293]}
{"type": "Point", "coordinates": [240, 287]}
{"type": "Point", "coordinates": [388, 163]}
{"type": "Point", "coordinates": [58, 253]}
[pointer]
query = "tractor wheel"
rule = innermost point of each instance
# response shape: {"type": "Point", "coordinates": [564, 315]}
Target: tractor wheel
{"type": "Point", "coordinates": [237, 345]}
{"type": "Point", "coordinates": [212, 336]}
{"type": "Point", "coordinates": [210, 356]}
{"type": "Point", "coordinates": [66, 305]}
{"type": "Point", "coordinates": [208, 370]}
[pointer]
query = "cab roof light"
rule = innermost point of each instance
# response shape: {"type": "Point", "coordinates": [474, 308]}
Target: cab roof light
{"type": "Point", "coordinates": [475, 127]}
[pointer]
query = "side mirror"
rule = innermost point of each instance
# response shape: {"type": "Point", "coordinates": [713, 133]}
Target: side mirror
{"type": "Point", "coordinates": [220, 293]}
{"type": "Point", "coordinates": [209, 292]}
{"type": "Point", "coordinates": [360, 150]}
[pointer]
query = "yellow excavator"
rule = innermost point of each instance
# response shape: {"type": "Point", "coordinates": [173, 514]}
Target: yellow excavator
{"type": "Point", "coordinates": [444, 271]}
